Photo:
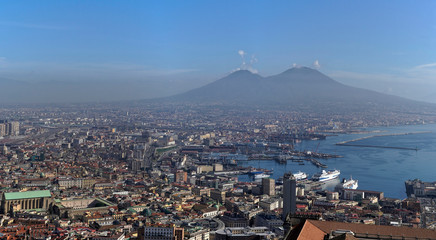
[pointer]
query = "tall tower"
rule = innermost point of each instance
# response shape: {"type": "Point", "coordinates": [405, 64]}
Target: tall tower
{"type": "Point", "coordinates": [5, 149]}
{"type": "Point", "coordinates": [289, 195]}
{"type": "Point", "coordinates": [268, 186]}
{"type": "Point", "coordinates": [14, 128]}
{"type": "Point", "coordinates": [2, 129]}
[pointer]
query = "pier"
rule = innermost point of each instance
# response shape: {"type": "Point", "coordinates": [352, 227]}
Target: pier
{"type": "Point", "coordinates": [351, 143]}
{"type": "Point", "coordinates": [308, 184]}
{"type": "Point", "coordinates": [227, 173]}
{"type": "Point", "coordinates": [316, 162]}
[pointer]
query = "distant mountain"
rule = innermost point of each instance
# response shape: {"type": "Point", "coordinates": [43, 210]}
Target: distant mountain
{"type": "Point", "coordinates": [240, 86]}
{"type": "Point", "coordinates": [299, 87]}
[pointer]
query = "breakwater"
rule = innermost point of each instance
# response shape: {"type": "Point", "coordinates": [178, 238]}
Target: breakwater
{"type": "Point", "coordinates": [351, 143]}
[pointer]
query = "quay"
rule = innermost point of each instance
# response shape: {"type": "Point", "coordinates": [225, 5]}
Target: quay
{"type": "Point", "coordinates": [316, 162]}
{"type": "Point", "coordinates": [295, 156]}
{"type": "Point", "coordinates": [227, 173]}
{"type": "Point", "coordinates": [308, 184]}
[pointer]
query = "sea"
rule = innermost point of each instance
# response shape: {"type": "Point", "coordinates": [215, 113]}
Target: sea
{"type": "Point", "coordinates": [377, 169]}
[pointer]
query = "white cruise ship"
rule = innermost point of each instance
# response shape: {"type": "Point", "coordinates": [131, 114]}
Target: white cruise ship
{"type": "Point", "coordinates": [350, 183]}
{"type": "Point", "coordinates": [326, 175]}
{"type": "Point", "coordinates": [300, 175]}
{"type": "Point", "coordinates": [260, 176]}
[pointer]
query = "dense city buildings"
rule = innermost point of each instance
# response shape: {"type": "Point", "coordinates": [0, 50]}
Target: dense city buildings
{"type": "Point", "coordinates": [176, 173]}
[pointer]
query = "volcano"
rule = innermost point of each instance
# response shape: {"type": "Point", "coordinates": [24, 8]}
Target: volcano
{"type": "Point", "coordinates": [298, 87]}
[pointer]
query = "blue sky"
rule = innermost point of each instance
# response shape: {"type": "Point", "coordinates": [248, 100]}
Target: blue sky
{"type": "Point", "coordinates": [388, 46]}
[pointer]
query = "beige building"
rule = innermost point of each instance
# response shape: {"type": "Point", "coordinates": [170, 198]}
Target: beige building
{"type": "Point", "coordinates": [201, 191]}
{"type": "Point", "coordinates": [204, 168]}
{"type": "Point", "coordinates": [268, 186]}
{"type": "Point", "coordinates": [161, 233]}
{"type": "Point", "coordinates": [2, 129]}
{"type": "Point", "coordinates": [76, 182]}
{"type": "Point", "coordinates": [76, 208]}
{"type": "Point", "coordinates": [14, 128]}
{"type": "Point", "coordinates": [218, 195]}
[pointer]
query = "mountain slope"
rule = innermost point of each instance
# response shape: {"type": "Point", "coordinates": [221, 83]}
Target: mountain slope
{"type": "Point", "coordinates": [300, 87]}
{"type": "Point", "coordinates": [240, 86]}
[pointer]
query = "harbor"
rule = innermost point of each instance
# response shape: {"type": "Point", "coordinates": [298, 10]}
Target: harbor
{"type": "Point", "coordinates": [314, 155]}
{"type": "Point", "coordinates": [368, 164]}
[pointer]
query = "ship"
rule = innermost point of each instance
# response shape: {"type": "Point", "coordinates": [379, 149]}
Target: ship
{"type": "Point", "coordinates": [300, 175]}
{"type": "Point", "coordinates": [256, 171]}
{"type": "Point", "coordinates": [261, 175]}
{"type": "Point", "coordinates": [349, 183]}
{"type": "Point", "coordinates": [326, 175]}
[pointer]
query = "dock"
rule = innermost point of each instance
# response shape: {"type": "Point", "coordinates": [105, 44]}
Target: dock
{"type": "Point", "coordinates": [308, 184]}
{"type": "Point", "coordinates": [316, 162]}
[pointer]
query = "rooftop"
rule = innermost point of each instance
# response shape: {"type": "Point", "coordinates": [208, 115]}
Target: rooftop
{"type": "Point", "coordinates": [313, 229]}
{"type": "Point", "coordinates": [26, 195]}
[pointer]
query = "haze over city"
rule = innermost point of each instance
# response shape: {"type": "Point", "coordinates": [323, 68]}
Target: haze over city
{"type": "Point", "coordinates": [217, 120]}
{"type": "Point", "coordinates": [90, 51]}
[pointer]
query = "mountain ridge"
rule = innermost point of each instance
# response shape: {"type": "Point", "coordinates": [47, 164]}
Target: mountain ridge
{"type": "Point", "coordinates": [299, 86]}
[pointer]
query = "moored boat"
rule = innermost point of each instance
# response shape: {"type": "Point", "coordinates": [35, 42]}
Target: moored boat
{"type": "Point", "coordinates": [300, 175]}
{"type": "Point", "coordinates": [261, 175]}
{"type": "Point", "coordinates": [279, 181]}
{"type": "Point", "coordinates": [350, 183]}
{"type": "Point", "coordinates": [326, 175]}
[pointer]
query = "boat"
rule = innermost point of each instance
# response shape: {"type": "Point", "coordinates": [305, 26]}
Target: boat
{"type": "Point", "coordinates": [261, 175]}
{"type": "Point", "coordinates": [255, 171]}
{"type": "Point", "coordinates": [300, 175]}
{"type": "Point", "coordinates": [326, 175]}
{"type": "Point", "coordinates": [350, 183]}
{"type": "Point", "coordinates": [233, 162]}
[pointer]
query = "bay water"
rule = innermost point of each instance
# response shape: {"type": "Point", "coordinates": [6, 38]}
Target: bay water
{"type": "Point", "coordinates": [377, 169]}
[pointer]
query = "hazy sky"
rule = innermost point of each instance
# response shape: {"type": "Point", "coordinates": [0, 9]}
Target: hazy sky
{"type": "Point", "coordinates": [94, 47]}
